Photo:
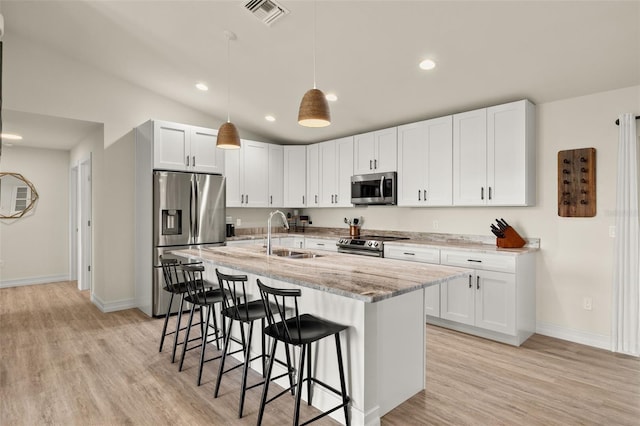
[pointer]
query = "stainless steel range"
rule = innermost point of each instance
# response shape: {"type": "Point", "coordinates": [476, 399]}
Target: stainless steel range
{"type": "Point", "coordinates": [367, 245]}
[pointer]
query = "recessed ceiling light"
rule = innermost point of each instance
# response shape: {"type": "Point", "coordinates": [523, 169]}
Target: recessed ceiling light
{"type": "Point", "coordinates": [202, 86]}
{"type": "Point", "coordinates": [331, 97]}
{"type": "Point", "coordinates": [270, 118]}
{"type": "Point", "coordinates": [11, 136]}
{"type": "Point", "coordinates": [427, 64]}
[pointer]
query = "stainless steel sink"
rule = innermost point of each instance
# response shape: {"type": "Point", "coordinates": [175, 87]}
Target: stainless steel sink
{"type": "Point", "coordinates": [292, 254]}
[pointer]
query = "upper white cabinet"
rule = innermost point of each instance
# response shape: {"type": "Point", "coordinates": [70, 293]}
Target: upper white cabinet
{"type": "Point", "coordinates": [248, 175]}
{"type": "Point", "coordinates": [313, 175]}
{"type": "Point", "coordinates": [295, 176]}
{"type": "Point", "coordinates": [276, 175]}
{"type": "Point", "coordinates": [494, 156]}
{"type": "Point", "coordinates": [425, 161]}
{"type": "Point", "coordinates": [375, 152]}
{"type": "Point", "coordinates": [336, 169]}
{"type": "Point", "coordinates": [185, 148]}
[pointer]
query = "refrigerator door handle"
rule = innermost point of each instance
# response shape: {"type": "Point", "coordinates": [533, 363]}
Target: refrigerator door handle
{"type": "Point", "coordinates": [191, 213]}
{"type": "Point", "coordinates": [196, 225]}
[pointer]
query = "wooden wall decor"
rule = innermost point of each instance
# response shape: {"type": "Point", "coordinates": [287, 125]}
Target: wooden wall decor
{"type": "Point", "coordinates": [577, 182]}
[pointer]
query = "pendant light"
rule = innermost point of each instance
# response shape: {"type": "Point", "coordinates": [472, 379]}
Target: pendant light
{"type": "Point", "coordinates": [314, 109]}
{"type": "Point", "coordinates": [228, 137]}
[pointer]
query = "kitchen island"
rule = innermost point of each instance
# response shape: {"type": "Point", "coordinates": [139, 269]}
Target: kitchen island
{"type": "Point", "coordinates": [382, 302]}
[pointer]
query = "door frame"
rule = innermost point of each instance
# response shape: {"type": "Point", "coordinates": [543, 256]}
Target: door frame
{"type": "Point", "coordinates": [85, 237]}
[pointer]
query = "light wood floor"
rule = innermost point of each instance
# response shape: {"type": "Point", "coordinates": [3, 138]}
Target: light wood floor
{"type": "Point", "coordinates": [62, 361]}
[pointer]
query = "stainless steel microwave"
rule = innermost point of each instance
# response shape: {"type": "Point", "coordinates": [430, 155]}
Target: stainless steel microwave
{"type": "Point", "coordinates": [374, 188]}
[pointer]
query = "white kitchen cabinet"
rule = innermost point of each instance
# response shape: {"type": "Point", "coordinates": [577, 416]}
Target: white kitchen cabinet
{"type": "Point", "coordinates": [276, 175]}
{"type": "Point", "coordinates": [494, 156]}
{"type": "Point", "coordinates": [375, 152]}
{"type": "Point", "coordinates": [425, 161]}
{"type": "Point", "coordinates": [420, 254]}
{"type": "Point", "coordinates": [247, 174]}
{"type": "Point", "coordinates": [295, 176]}
{"type": "Point", "coordinates": [496, 299]}
{"type": "Point", "coordinates": [320, 244]}
{"type": "Point", "coordinates": [185, 148]}
{"type": "Point", "coordinates": [336, 169]}
{"type": "Point", "coordinates": [313, 175]}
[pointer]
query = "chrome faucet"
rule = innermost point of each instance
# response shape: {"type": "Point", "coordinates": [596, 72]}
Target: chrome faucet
{"type": "Point", "coordinates": [284, 221]}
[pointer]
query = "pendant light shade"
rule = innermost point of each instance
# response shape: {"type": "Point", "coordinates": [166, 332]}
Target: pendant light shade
{"type": "Point", "coordinates": [228, 137]}
{"type": "Point", "coordinates": [314, 109]}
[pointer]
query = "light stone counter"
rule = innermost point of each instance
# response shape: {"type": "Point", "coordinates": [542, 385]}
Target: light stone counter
{"type": "Point", "coordinates": [380, 300]}
{"type": "Point", "coordinates": [359, 277]}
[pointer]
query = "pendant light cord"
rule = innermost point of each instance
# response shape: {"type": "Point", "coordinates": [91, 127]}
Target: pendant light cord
{"type": "Point", "coordinates": [228, 79]}
{"type": "Point", "coordinates": [314, 44]}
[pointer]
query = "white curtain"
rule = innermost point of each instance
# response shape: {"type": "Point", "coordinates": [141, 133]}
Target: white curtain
{"type": "Point", "coordinates": [626, 277]}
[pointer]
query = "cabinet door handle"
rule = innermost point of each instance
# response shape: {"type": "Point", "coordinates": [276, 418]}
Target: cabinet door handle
{"type": "Point", "coordinates": [419, 195]}
{"type": "Point", "coordinates": [489, 192]}
{"type": "Point", "coordinates": [187, 161]}
{"type": "Point", "coordinates": [320, 244]}
{"type": "Point", "coordinates": [474, 260]}
{"type": "Point", "coordinates": [270, 199]}
{"type": "Point", "coordinates": [241, 198]}
{"type": "Point", "coordinates": [478, 282]}
{"type": "Point", "coordinates": [470, 285]}
{"type": "Point", "coordinates": [375, 164]}
{"type": "Point", "coordinates": [246, 197]}
{"type": "Point", "coordinates": [482, 193]}
{"type": "Point", "coordinates": [409, 253]}
{"type": "Point", "coordinates": [424, 192]}
{"type": "Point", "coordinates": [193, 163]}
{"type": "Point", "coordinates": [315, 199]}
{"type": "Point", "coordinates": [303, 199]}
{"type": "Point", "coordinates": [370, 164]}
{"type": "Point", "coordinates": [336, 198]}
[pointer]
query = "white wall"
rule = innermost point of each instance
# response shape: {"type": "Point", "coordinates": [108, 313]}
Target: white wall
{"type": "Point", "coordinates": [576, 256]}
{"type": "Point", "coordinates": [34, 249]}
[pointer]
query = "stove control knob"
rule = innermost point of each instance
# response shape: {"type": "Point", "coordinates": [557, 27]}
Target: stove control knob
{"type": "Point", "coordinates": [375, 244]}
{"type": "Point", "coordinates": [370, 243]}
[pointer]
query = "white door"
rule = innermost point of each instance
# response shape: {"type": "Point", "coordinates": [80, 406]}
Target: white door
{"type": "Point", "coordinates": [506, 154]}
{"type": "Point", "coordinates": [276, 175]}
{"type": "Point", "coordinates": [255, 173]}
{"type": "Point", "coordinates": [74, 223]}
{"type": "Point", "coordinates": [232, 172]}
{"type": "Point", "coordinates": [457, 299]}
{"type": "Point", "coordinates": [344, 171]}
{"type": "Point", "coordinates": [439, 166]}
{"type": "Point", "coordinates": [470, 158]}
{"type": "Point", "coordinates": [412, 158]}
{"type": "Point", "coordinates": [328, 178]}
{"type": "Point", "coordinates": [386, 157]}
{"type": "Point", "coordinates": [205, 157]}
{"type": "Point", "coordinates": [170, 146]}
{"type": "Point", "coordinates": [496, 301]}
{"type": "Point", "coordinates": [313, 175]}
{"type": "Point", "coordinates": [85, 237]}
{"type": "Point", "coordinates": [295, 176]}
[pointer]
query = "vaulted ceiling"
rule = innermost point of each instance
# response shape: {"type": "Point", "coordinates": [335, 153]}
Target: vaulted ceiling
{"type": "Point", "coordinates": [367, 53]}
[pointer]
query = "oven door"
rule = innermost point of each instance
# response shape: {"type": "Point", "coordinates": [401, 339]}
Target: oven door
{"type": "Point", "coordinates": [361, 252]}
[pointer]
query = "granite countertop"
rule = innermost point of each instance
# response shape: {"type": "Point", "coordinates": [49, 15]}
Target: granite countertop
{"type": "Point", "coordinates": [363, 278]}
{"type": "Point", "coordinates": [473, 243]}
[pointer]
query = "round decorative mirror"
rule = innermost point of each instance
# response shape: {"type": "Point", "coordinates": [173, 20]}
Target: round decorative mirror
{"type": "Point", "coordinates": [17, 196]}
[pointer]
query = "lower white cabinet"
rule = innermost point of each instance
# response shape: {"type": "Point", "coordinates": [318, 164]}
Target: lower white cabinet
{"type": "Point", "coordinates": [320, 244]}
{"type": "Point", "coordinates": [495, 299]}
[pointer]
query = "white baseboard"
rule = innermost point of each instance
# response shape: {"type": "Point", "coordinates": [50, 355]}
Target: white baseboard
{"type": "Point", "coordinates": [33, 280]}
{"type": "Point", "coordinates": [576, 336]}
{"type": "Point", "coordinates": [117, 305]}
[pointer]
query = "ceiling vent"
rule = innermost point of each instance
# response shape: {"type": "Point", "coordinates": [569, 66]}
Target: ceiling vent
{"type": "Point", "coordinates": [267, 11]}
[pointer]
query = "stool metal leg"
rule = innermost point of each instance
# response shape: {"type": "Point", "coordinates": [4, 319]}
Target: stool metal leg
{"type": "Point", "coordinates": [309, 376]}
{"type": "Point", "coordinates": [203, 346]}
{"type": "Point", "coordinates": [296, 416]}
{"type": "Point", "coordinates": [175, 338]}
{"type": "Point", "coordinates": [343, 386]}
{"type": "Point", "coordinates": [225, 347]}
{"type": "Point", "coordinates": [166, 321]}
{"type": "Point", "coordinates": [265, 388]}
{"type": "Point", "coordinates": [186, 337]}
{"type": "Point", "coordinates": [245, 368]}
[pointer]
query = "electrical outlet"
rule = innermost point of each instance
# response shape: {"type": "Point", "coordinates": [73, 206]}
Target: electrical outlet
{"type": "Point", "coordinates": [587, 303]}
{"type": "Point", "coordinates": [435, 224]}
{"type": "Point", "coordinates": [238, 222]}
{"type": "Point", "coordinates": [612, 231]}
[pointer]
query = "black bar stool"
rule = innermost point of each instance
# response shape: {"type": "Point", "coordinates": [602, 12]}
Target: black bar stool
{"type": "Point", "coordinates": [201, 294]}
{"type": "Point", "coordinates": [246, 313]}
{"type": "Point", "coordinates": [175, 286]}
{"type": "Point", "coordinates": [302, 331]}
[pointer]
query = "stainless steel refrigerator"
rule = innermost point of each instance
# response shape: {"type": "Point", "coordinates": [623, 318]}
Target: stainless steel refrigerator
{"type": "Point", "coordinates": [188, 211]}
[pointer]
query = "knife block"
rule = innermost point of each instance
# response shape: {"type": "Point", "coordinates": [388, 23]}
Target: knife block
{"type": "Point", "coordinates": [511, 239]}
